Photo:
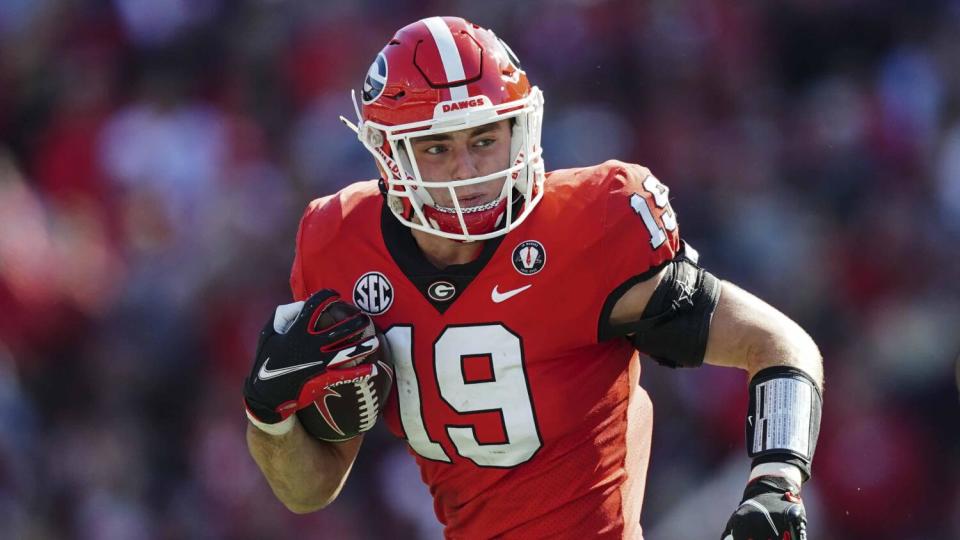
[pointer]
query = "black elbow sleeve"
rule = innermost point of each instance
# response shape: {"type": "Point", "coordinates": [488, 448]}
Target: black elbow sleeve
{"type": "Point", "coordinates": [675, 325]}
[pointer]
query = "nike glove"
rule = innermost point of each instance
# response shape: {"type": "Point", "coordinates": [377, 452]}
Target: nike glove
{"type": "Point", "coordinates": [303, 349]}
{"type": "Point", "coordinates": [771, 510]}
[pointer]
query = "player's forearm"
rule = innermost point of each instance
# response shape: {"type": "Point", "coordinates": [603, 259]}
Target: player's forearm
{"type": "Point", "coordinates": [305, 474]}
{"type": "Point", "coordinates": [748, 333]}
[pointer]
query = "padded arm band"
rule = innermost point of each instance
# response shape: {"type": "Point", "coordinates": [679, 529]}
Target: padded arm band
{"type": "Point", "coordinates": [783, 419]}
{"type": "Point", "coordinates": [674, 326]}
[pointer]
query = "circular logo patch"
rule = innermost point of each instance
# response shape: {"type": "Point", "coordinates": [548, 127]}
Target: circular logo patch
{"type": "Point", "coordinates": [376, 79]}
{"type": "Point", "coordinates": [373, 293]}
{"type": "Point", "coordinates": [529, 257]}
{"type": "Point", "coordinates": [441, 291]}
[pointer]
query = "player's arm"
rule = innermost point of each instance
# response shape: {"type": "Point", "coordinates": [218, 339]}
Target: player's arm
{"type": "Point", "coordinates": [304, 473]}
{"type": "Point", "coordinates": [681, 315]}
{"type": "Point", "coordinates": [748, 333]}
{"type": "Point", "coordinates": [300, 357]}
{"type": "Point", "coordinates": [742, 331]}
{"type": "Point", "coordinates": [786, 384]}
{"type": "Point", "coordinates": [673, 309]}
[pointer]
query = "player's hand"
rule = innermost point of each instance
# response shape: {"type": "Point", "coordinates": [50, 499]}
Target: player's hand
{"type": "Point", "coordinates": [302, 350]}
{"type": "Point", "coordinates": [771, 509]}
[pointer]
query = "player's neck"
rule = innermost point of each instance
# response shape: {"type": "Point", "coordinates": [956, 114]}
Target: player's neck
{"type": "Point", "coordinates": [443, 252]}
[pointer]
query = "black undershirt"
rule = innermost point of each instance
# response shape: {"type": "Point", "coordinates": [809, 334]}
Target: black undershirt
{"type": "Point", "coordinates": [405, 251]}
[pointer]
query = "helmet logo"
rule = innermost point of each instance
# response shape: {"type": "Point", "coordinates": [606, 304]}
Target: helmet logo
{"type": "Point", "coordinates": [376, 79]}
{"type": "Point", "coordinates": [529, 257]}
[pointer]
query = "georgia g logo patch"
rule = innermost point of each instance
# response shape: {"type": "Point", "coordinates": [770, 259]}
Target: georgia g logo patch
{"type": "Point", "coordinates": [441, 291]}
{"type": "Point", "coordinates": [376, 80]}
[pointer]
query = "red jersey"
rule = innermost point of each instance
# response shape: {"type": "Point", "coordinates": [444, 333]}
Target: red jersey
{"type": "Point", "coordinates": [525, 424]}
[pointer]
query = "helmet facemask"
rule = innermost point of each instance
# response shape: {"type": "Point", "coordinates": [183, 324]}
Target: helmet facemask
{"type": "Point", "coordinates": [407, 195]}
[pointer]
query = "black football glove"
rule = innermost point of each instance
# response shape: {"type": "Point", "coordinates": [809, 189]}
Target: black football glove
{"type": "Point", "coordinates": [771, 510]}
{"type": "Point", "coordinates": [304, 348]}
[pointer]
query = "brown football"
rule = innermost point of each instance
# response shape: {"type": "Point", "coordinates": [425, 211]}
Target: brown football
{"type": "Point", "coordinates": [352, 406]}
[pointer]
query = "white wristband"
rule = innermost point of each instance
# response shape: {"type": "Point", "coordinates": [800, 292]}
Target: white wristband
{"type": "Point", "coordinates": [280, 428]}
{"type": "Point", "coordinates": [786, 470]}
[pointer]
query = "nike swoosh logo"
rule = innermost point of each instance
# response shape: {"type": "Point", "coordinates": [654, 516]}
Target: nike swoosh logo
{"type": "Point", "coordinates": [498, 296]}
{"type": "Point", "coordinates": [324, 410]}
{"type": "Point", "coordinates": [362, 350]}
{"type": "Point", "coordinates": [267, 374]}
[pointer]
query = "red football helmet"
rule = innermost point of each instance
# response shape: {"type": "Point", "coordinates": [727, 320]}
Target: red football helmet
{"type": "Point", "coordinates": [445, 74]}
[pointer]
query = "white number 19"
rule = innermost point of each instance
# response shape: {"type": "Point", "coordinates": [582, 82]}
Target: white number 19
{"type": "Point", "coordinates": [506, 392]}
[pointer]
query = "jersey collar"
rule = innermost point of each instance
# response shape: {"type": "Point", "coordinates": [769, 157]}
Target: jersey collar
{"type": "Point", "coordinates": [409, 258]}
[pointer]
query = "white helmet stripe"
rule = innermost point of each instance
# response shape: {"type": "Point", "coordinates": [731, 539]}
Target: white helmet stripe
{"type": "Point", "coordinates": [449, 54]}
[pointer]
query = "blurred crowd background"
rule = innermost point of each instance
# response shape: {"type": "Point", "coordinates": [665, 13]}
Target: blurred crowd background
{"type": "Point", "coordinates": [155, 157]}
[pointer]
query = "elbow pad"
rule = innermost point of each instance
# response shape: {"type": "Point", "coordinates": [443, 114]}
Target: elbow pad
{"type": "Point", "coordinates": [675, 325]}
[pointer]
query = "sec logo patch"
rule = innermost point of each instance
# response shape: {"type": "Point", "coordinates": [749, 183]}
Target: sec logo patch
{"type": "Point", "coordinates": [373, 293]}
{"type": "Point", "coordinates": [529, 257]}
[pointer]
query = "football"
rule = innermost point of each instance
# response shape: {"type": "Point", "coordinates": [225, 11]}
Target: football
{"type": "Point", "coordinates": [349, 407]}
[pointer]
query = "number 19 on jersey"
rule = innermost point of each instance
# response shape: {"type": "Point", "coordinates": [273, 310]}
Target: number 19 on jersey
{"type": "Point", "coordinates": [506, 392]}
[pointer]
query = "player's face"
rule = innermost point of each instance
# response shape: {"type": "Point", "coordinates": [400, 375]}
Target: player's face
{"type": "Point", "coordinates": [465, 154]}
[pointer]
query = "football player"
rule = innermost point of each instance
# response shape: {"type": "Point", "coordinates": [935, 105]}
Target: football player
{"type": "Point", "coordinates": [514, 302]}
